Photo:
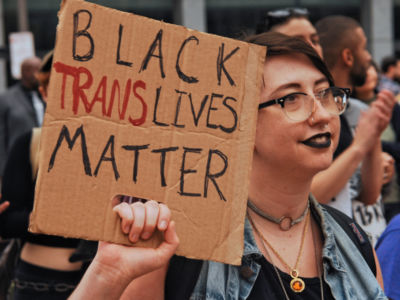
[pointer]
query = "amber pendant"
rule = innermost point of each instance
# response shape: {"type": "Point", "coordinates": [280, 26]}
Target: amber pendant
{"type": "Point", "coordinates": [296, 284]}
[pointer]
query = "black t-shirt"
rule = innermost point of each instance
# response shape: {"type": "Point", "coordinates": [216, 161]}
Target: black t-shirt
{"type": "Point", "coordinates": [18, 187]}
{"type": "Point", "coordinates": [345, 138]}
{"type": "Point", "coordinates": [267, 286]}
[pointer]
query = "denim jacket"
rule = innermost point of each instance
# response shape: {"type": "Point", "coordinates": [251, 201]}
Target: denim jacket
{"type": "Point", "coordinates": [345, 270]}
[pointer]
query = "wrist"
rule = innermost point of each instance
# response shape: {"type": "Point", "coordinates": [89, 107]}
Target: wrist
{"type": "Point", "coordinates": [359, 151]}
{"type": "Point", "coordinates": [106, 278]}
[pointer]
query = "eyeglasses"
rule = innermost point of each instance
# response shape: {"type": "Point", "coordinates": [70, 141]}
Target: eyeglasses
{"type": "Point", "coordinates": [280, 16]}
{"type": "Point", "coordinates": [299, 106]}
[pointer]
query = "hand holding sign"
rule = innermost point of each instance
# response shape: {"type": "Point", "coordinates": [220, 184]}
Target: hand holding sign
{"type": "Point", "coordinates": [115, 266]}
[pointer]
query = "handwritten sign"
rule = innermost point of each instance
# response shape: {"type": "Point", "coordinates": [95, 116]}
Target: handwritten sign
{"type": "Point", "coordinates": [142, 108]}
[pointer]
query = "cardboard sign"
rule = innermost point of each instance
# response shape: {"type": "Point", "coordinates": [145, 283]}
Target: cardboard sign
{"type": "Point", "coordinates": [143, 108]}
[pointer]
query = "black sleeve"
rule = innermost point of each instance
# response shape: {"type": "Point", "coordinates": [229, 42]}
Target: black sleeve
{"type": "Point", "coordinates": [18, 189]}
{"type": "Point", "coordinates": [181, 277]}
{"type": "Point", "coordinates": [345, 138]}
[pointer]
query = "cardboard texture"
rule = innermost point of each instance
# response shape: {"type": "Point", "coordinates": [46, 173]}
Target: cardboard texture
{"type": "Point", "coordinates": [143, 108]}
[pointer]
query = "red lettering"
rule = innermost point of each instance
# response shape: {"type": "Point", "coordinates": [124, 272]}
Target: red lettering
{"type": "Point", "coordinates": [114, 89]}
{"type": "Point", "coordinates": [100, 95]}
{"type": "Point", "coordinates": [101, 89]}
{"type": "Point", "coordinates": [77, 89]}
{"type": "Point", "coordinates": [142, 119]}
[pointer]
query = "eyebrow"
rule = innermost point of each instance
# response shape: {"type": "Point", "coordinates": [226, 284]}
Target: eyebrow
{"type": "Point", "coordinates": [297, 85]}
{"type": "Point", "coordinates": [321, 80]}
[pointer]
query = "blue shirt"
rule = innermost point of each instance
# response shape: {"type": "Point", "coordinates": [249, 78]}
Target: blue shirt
{"type": "Point", "coordinates": [388, 251]}
{"type": "Point", "coordinates": [386, 83]}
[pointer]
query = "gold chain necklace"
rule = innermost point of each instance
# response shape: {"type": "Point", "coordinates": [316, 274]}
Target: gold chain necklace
{"type": "Point", "coordinates": [296, 284]}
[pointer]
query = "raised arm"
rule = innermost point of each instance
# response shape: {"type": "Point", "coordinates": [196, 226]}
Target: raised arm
{"type": "Point", "coordinates": [365, 148]}
{"type": "Point", "coordinates": [372, 171]}
{"type": "Point", "coordinates": [115, 267]}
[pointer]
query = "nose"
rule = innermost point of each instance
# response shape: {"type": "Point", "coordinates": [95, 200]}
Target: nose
{"type": "Point", "coordinates": [319, 114]}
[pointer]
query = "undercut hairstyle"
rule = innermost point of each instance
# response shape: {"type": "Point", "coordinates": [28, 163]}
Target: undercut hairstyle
{"type": "Point", "coordinates": [387, 62]}
{"type": "Point", "coordinates": [281, 44]}
{"type": "Point", "coordinates": [336, 33]}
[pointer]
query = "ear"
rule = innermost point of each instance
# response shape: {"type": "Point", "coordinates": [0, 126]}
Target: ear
{"type": "Point", "coordinates": [347, 57]}
{"type": "Point", "coordinates": [43, 92]}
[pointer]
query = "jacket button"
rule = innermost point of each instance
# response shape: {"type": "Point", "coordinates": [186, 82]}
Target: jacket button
{"type": "Point", "coordinates": [246, 272]}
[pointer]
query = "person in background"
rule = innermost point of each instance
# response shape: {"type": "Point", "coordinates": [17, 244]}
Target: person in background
{"type": "Point", "coordinates": [388, 252]}
{"type": "Point", "coordinates": [357, 171]}
{"type": "Point", "coordinates": [43, 270]}
{"type": "Point", "coordinates": [390, 77]}
{"type": "Point", "coordinates": [292, 22]}
{"type": "Point", "coordinates": [367, 92]}
{"type": "Point", "coordinates": [307, 255]}
{"type": "Point", "coordinates": [372, 217]}
{"type": "Point", "coordinates": [21, 108]}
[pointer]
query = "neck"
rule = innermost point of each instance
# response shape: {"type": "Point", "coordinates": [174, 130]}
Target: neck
{"type": "Point", "coordinates": [341, 77]}
{"type": "Point", "coordinates": [365, 96]}
{"type": "Point", "coordinates": [278, 192]}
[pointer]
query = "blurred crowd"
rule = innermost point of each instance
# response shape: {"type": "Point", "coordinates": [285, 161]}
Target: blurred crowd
{"type": "Point", "coordinates": [362, 182]}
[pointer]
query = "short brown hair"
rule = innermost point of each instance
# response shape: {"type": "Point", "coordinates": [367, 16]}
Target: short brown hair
{"type": "Point", "coordinates": [335, 34]}
{"type": "Point", "coordinates": [281, 44]}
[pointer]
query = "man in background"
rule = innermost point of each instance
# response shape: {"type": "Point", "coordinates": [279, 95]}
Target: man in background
{"type": "Point", "coordinates": [353, 182]}
{"type": "Point", "coordinates": [21, 108]}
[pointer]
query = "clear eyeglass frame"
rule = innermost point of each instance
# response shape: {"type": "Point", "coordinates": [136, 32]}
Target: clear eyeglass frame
{"type": "Point", "coordinates": [299, 106]}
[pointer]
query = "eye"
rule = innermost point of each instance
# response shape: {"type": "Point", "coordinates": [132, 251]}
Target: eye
{"type": "Point", "coordinates": [323, 93]}
{"type": "Point", "coordinates": [315, 41]}
{"type": "Point", "coordinates": [291, 98]}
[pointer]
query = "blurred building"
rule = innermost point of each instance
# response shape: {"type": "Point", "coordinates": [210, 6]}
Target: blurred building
{"type": "Point", "coordinates": [232, 18]}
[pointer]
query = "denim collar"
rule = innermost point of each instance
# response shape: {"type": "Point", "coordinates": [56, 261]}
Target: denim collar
{"type": "Point", "coordinates": [330, 250]}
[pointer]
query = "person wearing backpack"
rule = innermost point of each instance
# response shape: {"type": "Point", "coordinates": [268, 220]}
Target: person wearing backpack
{"type": "Point", "coordinates": [294, 248]}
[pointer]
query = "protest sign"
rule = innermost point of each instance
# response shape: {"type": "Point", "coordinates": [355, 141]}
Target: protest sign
{"type": "Point", "coordinates": [142, 108]}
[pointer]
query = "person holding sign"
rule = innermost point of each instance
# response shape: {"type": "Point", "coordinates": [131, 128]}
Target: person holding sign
{"type": "Point", "coordinates": [294, 248]}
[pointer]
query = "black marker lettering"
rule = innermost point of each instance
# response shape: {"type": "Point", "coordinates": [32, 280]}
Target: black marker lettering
{"type": "Point", "coordinates": [110, 144]}
{"type": "Point", "coordinates": [158, 91]}
{"type": "Point", "coordinates": [163, 152]}
{"type": "Point", "coordinates": [210, 108]}
{"type": "Point", "coordinates": [212, 177]}
{"type": "Point", "coordinates": [177, 109]}
{"type": "Point", "coordinates": [183, 76]}
{"type": "Point", "coordinates": [119, 60]}
{"type": "Point", "coordinates": [156, 43]}
{"type": "Point", "coordinates": [187, 171]}
{"type": "Point", "coordinates": [202, 105]}
{"type": "Point", "coordinates": [235, 117]}
{"type": "Point", "coordinates": [221, 61]}
{"type": "Point", "coordinates": [64, 134]}
{"type": "Point", "coordinates": [136, 158]}
{"type": "Point", "coordinates": [81, 33]}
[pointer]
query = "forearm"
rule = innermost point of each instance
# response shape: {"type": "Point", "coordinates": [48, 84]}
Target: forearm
{"type": "Point", "coordinates": [100, 282]}
{"type": "Point", "coordinates": [371, 175]}
{"type": "Point", "coordinates": [328, 183]}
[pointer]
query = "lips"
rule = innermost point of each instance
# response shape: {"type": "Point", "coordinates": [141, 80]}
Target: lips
{"type": "Point", "coordinates": [321, 140]}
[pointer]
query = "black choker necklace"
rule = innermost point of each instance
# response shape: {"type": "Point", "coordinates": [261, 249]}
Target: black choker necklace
{"type": "Point", "coordinates": [285, 223]}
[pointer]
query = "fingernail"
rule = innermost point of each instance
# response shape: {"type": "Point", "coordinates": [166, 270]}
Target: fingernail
{"type": "Point", "coordinates": [134, 237]}
{"type": "Point", "coordinates": [146, 235]}
{"type": "Point", "coordinates": [126, 228]}
{"type": "Point", "coordinates": [163, 224]}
